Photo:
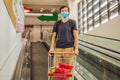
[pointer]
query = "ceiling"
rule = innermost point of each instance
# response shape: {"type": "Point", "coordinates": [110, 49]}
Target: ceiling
{"type": "Point", "coordinates": [44, 6]}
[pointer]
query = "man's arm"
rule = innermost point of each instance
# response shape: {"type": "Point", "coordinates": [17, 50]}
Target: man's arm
{"type": "Point", "coordinates": [75, 33]}
{"type": "Point", "coordinates": [53, 42]}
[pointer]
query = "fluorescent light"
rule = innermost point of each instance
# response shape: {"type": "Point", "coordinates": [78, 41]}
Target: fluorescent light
{"type": "Point", "coordinates": [53, 9]}
{"type": "Point", "coordinates": [37, 14]}
{"type": "Point", "coordinates": [41, 10]}
{"type": "Point", "coordinates": [26, 11]}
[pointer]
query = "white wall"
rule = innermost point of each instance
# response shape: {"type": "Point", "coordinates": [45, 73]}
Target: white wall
{"type": "Point", "coordinates": [10, 44]}
{"type": "Point", "coordinates": [36, 36]}
{"type": "Point", "coordinates": [47, 34]}
{"type": "Point", "coordinates": [73, 4]}
{"type": "Point", "coordinates": [35, 33]}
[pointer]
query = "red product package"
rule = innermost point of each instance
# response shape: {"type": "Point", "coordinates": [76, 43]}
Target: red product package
{"type": "Point", "coordinates": [66, 66]}
{"type": "Point", "coordinates": [60, 78]}
{"type": "Point", "coordinates": [61, 70]}
{"type": "Point", "coordinates": [60, 74]}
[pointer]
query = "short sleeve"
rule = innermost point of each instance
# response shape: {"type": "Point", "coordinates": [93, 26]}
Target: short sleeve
{"type": "Point", "coordinates": [74, 25]}
{"type": "Point", "coordinates": [54, 27]}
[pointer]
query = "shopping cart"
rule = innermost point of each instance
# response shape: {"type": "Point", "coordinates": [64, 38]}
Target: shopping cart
{"type": "Point", "coordinates": [61, 66]}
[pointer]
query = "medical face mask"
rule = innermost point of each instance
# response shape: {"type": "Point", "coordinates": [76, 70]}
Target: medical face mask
{"type": "Point", "coordinates": [64, 15]}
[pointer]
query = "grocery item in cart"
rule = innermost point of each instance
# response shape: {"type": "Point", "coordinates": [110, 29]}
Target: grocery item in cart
{"type": "Point", "coordinates": [63, 72]}
{"type": "Point", "coordinates": [66, 66]}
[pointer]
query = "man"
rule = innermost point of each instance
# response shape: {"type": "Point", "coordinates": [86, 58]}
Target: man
{"type": "Point", "coordinates": [65, 35]}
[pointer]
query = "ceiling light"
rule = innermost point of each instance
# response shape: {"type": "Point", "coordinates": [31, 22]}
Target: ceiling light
{"type": "Point", "coordinates": [26, 11]}
{"type": "Point", "coordinates": [53, 9]}
{"type": "Point", "coordinates": [37, 14]}
{"type": "Point", "coordinates": [41, 10]}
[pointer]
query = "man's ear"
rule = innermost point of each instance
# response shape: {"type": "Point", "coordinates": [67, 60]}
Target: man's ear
{"type": "Point", "coordinates": [68, 13]}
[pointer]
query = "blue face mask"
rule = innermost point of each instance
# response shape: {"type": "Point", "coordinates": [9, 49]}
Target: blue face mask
{"type": "Point", "coordinates": [64, 15]}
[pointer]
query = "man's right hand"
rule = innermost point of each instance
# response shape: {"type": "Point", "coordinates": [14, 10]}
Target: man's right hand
{"type": "Point", "coordinates": [51, 50]}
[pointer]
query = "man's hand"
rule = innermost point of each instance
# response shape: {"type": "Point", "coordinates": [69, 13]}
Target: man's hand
{"type": "Point", "coordinates": [51, 50]}
{"type": "Point", "coordinates": [76, 52]}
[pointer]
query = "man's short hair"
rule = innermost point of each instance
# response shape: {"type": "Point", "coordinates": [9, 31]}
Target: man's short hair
{"type": "Point", "coordinates": [64, 7]}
